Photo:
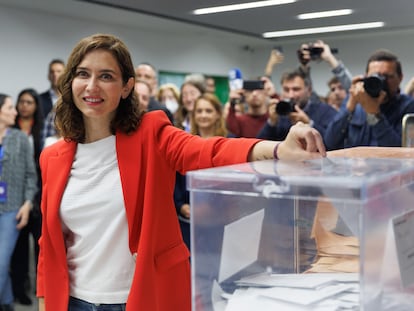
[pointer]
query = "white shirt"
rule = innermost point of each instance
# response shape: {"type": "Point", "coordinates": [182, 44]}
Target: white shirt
{"type": "Point", "coordinates": [94, 222]}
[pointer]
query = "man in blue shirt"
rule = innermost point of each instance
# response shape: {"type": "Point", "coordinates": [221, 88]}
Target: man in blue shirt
{"type": "Point", "coordinates": [369, 119]}
{"type": "Point", "coordinates": [295, 104]}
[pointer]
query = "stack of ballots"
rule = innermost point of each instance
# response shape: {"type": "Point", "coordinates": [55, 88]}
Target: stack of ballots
{"type": "Point", "coordinates": [291, 292]}
{"type": "Point", "coordinates": [337, 250]}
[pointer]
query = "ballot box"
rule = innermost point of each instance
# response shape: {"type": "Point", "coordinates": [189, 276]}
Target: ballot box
{"type": "Point", "coordinates": [327, 234]}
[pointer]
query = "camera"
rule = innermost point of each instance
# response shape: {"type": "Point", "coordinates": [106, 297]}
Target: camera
{"type": "Point", "coordinates": [285, 106]}
{"type": "Point", "coordinates": [251, 85]}
{"type": "Point", "coordinates": [314, 52]}
{"type": "Point", "coordinates": [374, 84]}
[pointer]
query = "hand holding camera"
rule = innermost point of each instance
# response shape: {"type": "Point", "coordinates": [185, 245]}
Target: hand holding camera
{"type": "Point", "coordinates": [370, 91]}
{"type": "Point", "coordinates": [285, 106]}
{"type": "Point", "coordinates": [288, 107]}
{"type": "Point", "coordinates": [374, 84]}
{"type": "Point", "coordinates": [316, 51]}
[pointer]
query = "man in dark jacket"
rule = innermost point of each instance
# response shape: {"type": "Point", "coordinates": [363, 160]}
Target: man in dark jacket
{"type": "Point", "coordinates": [373, 112]}
{"type": "Point", "coordinates": [295, 104]}
{"type": "Point", "coordinates": [49, 97]}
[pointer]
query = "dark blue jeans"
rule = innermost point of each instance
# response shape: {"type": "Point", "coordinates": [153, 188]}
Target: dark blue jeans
{"type": "Point", "coordinates": [76, 304]}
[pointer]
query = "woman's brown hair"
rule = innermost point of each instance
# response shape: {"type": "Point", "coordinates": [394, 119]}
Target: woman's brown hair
{"type": "Point", "coordinates": [69, 120]}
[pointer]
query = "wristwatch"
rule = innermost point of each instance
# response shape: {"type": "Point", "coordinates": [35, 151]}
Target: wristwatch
{"type": "Point", "coordinates": [373, 118]}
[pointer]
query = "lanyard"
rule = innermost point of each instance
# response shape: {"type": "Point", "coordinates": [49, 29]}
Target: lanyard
{"type": "Point", "coordinates": [1, 159]}
{"type": "Point", "coordinates": [2, 153]}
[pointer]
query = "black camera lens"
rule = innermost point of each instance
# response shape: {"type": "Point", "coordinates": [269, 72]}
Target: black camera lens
{"type": "Point", "coordinates": [284, 107]}
{"type": "Point", "coordinates": [374, 84]}
{"type": "Point", "coordinates": [315, 52]}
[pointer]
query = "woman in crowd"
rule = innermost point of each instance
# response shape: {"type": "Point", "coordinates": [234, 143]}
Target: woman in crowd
{"type": "Point", "coordinates": [17, 192]}
{"type": "Point", "coordinates": [206, 121]}
{"type": "Point", "coordinates": [110, 237]}
{"type": "Point", "coordinates": [190, 91]}
{"type": "Point", "coordinates": [169, 95]}
{"type": "Point", "coordinates": [30, 120]}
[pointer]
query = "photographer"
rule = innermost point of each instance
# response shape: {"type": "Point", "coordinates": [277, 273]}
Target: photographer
{"type": "Point", "coordinates": [294, 105]}
{"type": "Point", "coordinates": [374, 108]}
{"type": "Point", "coordinates": [318, 51]}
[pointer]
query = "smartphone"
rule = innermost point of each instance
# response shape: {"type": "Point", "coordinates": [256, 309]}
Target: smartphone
{"type": "Point", "coordinates": [408, 130]}
{"type": "Point", "coordinates": [278, 48]}
{"type": "Point", "coordinates": [251, 85]}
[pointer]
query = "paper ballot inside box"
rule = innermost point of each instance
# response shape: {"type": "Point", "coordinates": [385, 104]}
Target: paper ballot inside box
{"type": "Point", "coordinates": [240, 246]}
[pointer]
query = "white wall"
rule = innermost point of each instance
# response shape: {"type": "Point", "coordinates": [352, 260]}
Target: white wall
{"type": "Point", "coordinates": [30, 39]}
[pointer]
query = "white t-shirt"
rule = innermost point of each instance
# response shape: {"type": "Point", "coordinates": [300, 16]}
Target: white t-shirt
{"type": "Point", "coordinates": [94, 223]}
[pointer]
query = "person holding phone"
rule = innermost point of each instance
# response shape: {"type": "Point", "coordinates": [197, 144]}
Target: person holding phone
{"type": "Point", "coordinates": [255, 94]}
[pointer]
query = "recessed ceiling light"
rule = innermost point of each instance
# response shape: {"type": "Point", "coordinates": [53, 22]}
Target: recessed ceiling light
{"type": "Point", "coordinates": [307, 31]}
{"type": "Point", "coordinates": [325, 14]}
{"type": "Point", "coordinates": [241, 6]}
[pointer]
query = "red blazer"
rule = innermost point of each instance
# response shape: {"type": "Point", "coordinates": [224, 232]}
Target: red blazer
{"type": "Point", "coordinates": [148, 160]}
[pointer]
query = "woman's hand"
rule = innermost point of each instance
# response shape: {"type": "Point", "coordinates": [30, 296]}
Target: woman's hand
{"type": "Point", "coordinates": [41, 304]}
{"type": "Point", "coordinates": [23, 215]}
{"type": "Point", "coordinates": [301, 143]}
{"type": "Point", "coordinates": [185, 210]}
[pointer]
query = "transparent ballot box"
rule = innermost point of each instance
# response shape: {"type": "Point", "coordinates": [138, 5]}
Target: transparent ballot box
{"type": "Point", "coordinates": [328, 234]}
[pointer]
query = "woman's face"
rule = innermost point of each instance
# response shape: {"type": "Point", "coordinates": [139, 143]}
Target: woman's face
{"type": "Point", "coordinates": [8, 112]}
{"type": "Point", "coordinates": [189, 95]}
{"type": "Point", "coordinates": [205, 115]}
{"type": "Point", "coordinates": [26, 105]}
{"type": "Point", "coordinates": [97, 87]}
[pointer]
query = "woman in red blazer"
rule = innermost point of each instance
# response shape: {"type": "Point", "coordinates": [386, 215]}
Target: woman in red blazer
{"type": "Point", "coordinates": [110, 236]}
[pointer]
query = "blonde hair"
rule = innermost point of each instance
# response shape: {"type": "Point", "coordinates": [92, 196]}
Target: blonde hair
{"type": "Point", "coordinates": [168, 86]}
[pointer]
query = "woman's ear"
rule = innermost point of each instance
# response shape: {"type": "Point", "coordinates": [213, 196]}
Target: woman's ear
{"type": "Point", "coordinates": [128, 87]}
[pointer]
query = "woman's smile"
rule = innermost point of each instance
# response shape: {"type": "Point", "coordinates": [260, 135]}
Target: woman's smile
{"type": "Point", "coordinates": [93, 101]}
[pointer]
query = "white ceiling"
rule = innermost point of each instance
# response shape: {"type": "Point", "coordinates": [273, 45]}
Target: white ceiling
{"type": "Point", "coordinates": [397, 14]}
{"type": "Point", "coordinates": [175, 16]}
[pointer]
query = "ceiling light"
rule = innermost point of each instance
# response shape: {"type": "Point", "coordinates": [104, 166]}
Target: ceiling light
{"type": "Point", "coordinates": [325, 14]}
{"type": "Point", "coordinates": [241, 6]}
{"type": "Point", "coordinates": [307, 31]}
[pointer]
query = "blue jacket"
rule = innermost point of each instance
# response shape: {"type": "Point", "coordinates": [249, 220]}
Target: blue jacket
{"type": "Point", "coordinates": [320, 113]}
{"type": "Point", "coordinates": [352, 130]}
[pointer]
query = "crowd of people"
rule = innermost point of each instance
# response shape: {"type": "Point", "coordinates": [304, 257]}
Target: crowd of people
{"type": "Point", "coordinates": [96, 109]}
